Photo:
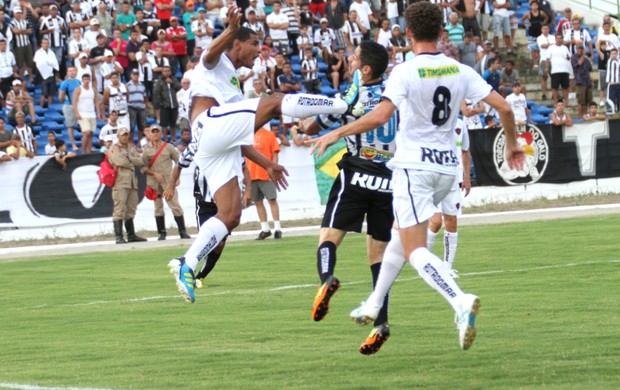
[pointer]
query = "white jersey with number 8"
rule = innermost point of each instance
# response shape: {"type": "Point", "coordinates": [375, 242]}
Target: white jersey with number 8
{"type": "Point", "coordinates": [431, 88]}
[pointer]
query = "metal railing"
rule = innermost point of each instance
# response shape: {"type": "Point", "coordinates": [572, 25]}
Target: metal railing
{"type": "Point", "coordinates": [611, 7]}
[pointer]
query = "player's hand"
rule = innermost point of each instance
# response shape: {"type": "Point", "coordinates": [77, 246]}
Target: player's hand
{"type": "Point", "coordinates": [234, 18]}
{"type": "Point", "coordinates": [466, 186]}
{"type": "Point", "coordinates": [247, 198]}
{"type": "Point", "coordinates": [320, 144]}
{"type": "Point", "coordinates": [515, 156]}
{"type": "Point", "coordinates": [168, 192]}
{"type": "Point", "coordinates": [278, 174]}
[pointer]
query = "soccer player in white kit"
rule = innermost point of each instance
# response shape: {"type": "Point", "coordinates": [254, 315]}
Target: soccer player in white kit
{"type": "Point", "coordinates": [431, 88]}
{"type": "Point", "coordinates": [227, 124]}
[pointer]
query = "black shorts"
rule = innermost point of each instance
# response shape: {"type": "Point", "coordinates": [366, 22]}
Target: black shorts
{"type": "Point", "coordinates": [351, 199]}
{"type": "Point", "coordinates": [559, 80]}
{"type": "Point", "coordinates": [168, 117]}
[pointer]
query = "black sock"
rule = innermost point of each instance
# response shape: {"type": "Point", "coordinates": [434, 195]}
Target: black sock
{"type": "Point", "coordinates": [326, 260]}
{"type": "Point", "coordinates": [209, 264]}
{"type": "Point", "coordinates": [383, 313]}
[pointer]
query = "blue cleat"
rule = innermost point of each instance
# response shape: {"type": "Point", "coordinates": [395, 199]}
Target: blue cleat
{"type": "Point", "coordinates": [186, 283]}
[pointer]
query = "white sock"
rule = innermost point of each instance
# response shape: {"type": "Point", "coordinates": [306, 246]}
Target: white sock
{"type": "Point", "coordinates": [392, 264]}
{"type": "Point", "coordinates": [450, 242]}
{"type": "Point", "coordinates": [264, 226]}
{"type": "Point", "coordinates": [304, 105]}
{"type": "Point", "coordinates": [211, 233]}
{"type": "Point", "coordinates": [430, 239]}
{"type": "Point", "coordinates": [436, 275]}
{"type": "Point", "coordinates": [276, 225]}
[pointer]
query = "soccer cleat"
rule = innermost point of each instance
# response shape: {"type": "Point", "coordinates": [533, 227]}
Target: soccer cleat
{"type": "Point", "coordinates": [277, 235]}
{"type": "Point", "coordinates": [320, 307]}
{"type": "Point", "coordinates": [375, 340]}
{"type": "Point", "coordinates": [263, 235]}
{"type": "Point", "coordinates": [365, 314]}
{"type": "Point", "coordinates": [466, 320]}
{"type": "Point", "coordinates": [186, 283]}
{"type": "Point", "coordinates": [454, 274]}
{"type": "Point", "coordinates": [199, 283]}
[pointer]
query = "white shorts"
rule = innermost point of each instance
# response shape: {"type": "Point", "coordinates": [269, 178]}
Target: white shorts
{"type": "Point", "coordinates": [451, 204]}
{"type": "Point", "coordinates": [417, 194]}
{"type": "Point", "coordinates": [224, 130]}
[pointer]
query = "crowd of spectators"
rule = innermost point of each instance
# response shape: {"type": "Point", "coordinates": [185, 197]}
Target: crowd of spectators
{"type": "Point", "coordinates": [134, 58]}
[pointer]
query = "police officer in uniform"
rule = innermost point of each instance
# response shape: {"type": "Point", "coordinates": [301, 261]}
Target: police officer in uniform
{"type": "Point", "coordinates": [158, 175]}
{"type": "Point", "coordinates": [124, 158]}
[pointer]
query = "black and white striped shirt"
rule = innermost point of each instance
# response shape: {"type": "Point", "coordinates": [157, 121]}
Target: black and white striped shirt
{"type": "Point", "coordinates": [57, 36]}
{"type": "Point", "coordinates": [309, 64]}
{"type": "Point", "coordinates": [293, 23]}
{"type": "Point", "coordinates": [21, 40]}
{"type": "Point", "coordinates": [613, 71]}
{"type": "Point", "coordinates": [27, 137]}
{"type": "Point", "coordinates": [76, 17]}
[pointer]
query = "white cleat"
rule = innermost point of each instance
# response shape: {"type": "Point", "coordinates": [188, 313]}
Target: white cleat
{"type": "Point", "coordinates": [466, 320]}
{"type": "Point", "coordinates": [365, 314]}
{"type": "Point", "coordinates": [454, 274]}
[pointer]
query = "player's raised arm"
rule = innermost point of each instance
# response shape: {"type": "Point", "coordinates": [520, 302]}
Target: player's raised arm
{"type": "Point", "coordinates": [222, 42]}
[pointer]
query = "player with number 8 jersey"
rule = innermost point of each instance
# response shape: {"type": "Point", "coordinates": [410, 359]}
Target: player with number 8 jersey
{"type": "Point", "coordinates": [428, 90]}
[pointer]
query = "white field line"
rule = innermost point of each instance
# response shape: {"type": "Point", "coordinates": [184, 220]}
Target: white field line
{"type": "Point", "coordinates": [23, 386]}
{"type": "Point", "coordinates": [311, 285]}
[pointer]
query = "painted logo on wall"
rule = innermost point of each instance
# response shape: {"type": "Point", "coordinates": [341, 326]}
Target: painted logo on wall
{"type": "Point", "coordinates": [536, 148]}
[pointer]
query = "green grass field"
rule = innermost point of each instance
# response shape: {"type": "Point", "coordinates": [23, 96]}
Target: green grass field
{"type": "Point", "coordinates": [549, 318]}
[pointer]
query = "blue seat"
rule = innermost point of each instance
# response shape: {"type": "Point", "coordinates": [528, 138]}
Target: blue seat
{"type": "Point", "coordinates": [55, 107]}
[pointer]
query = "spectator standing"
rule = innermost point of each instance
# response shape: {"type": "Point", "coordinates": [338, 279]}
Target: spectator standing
{"type": "Point", "coordinates": [167, 50]}
{"type": "Point", "coordinates": [124, 157]}
{"type": "Point", "coordinates": [468, 50]}
{"type": "Point", "coordinates": [177, 36]}
{"type": "Point", "coordinates": [544, 42]}
{"type": "Point", "coordinates": [54, 28]}
{"type": "Point", "coordinates": [291, 9]}
{"type": "Point", "coordinates": [545, 6]}
{"type": "Point", "coordinates": [8, 68]}
{"type": "Point", "coordinates": [97, 58]}
{"type": "Point", "coordinates": [186, 138]}
{"type": "Point", "coordinates": [364, 14]}
{"type": "Point", "coordinates": [501, 23]}
{"type": "Point", "coordinates": [65, 96]}
{"type": "Point", "coordinates": [110, 129]}
{"type": "Point", "coordinates": [165, 100]}
{"type": "Point", "coordinates": [50, 148]}
{"type": "Point", "coordinates": [82, 67]}
{"type": "Point", "coordinates": [25, 134]}
{"type": "Point", "coordinates": [203, 30]}
{"type": "Point", "coordinates": [262, 186]}
{"type": "Point", "coordinates": [77, 46]}
{"type": "Point", "coordinates": [133, 47]}
{"type": "Point", "coordinates": [157, 160]}
{"type": "Point", "coordinates": [158, 63]}
{"type": "Point", "coordinates": [287, 82]}
{"type": "Point", "coordinates": [583, 82]}
{"type": "Point", "coordinates": [535, 19]}
{"type": "Point", "coordinates": [324, 38]}
{"type": "Point", "coordinates": [336, 16]}
{"type": "Point", "coordinates": [147, 29]}
{"type": "Point", "coordinates": [384, 33]}
{"type": "Point", "coordinates": [115, 98]}
{"type": "Point", "coordinates": [125, 20]}
{"type": "Point", "coordinates": [47, 64]}
{"type": "Point", "coordinates": [105, 17]}
{"type": "Point", "coordinates": [559, 67]}
{"type": "Point", "coordinates": [164, 10]}
{"type": "Point", "coordinates": [86, 110]}
{"type": "Point", "coordinates": [518, 103]}
{"type": "Point", "coordinates": [577, 36]}
{"type": "Point", "coordinates": [189, 16]}
{"type": "Point", "coordinates": [144, 57]}
{"type": "Point", "coordinates": [399, 43]}
{"type": "Point", "coordinates": [91, 36]}
{"type": "Point", "coordinates": [109, 67]}
{"type": "Point", "coordinates": [23, 48]}
{"type": "Point", "coordinates": [317, 7]}
{"type": "Point", "coordinates": [304, 41]}
{"type": "Point", "coordinates": [150, 14]}
{"type": "Point", "coordinates": [447, 47]}
{"type": "Point", "coordinates": [214, 8]}
{"type": "Point", "coordinates": [119, 48]}
{"type": "Point", "coordinates": [183, 115]}
{"type": "Point", "coordinates": [136, 104]}
{"type": "Point", "coordinates": [18, 99]}
{"type": "Point", "coordinates": [278, 23]}
{"type": "Point", "coordinates": [456, 31]}
{"type": "Point", "coordinates": [259, 11]}
{"type": "Point", "coordinates": [485, 18]}
{"type": "Point", "coordinates": [309, 72]}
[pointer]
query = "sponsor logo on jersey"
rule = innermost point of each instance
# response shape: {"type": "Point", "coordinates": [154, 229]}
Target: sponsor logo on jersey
{"type": "Point", "coordinates": [371, 182]}
{"type": "Point", "coordinates": [234, 81]}
{"type": "Point", "coordinates": [370, 153]}
{"type": "Point", "coordinates": [307, 101]}
{"type": "Point", "coordinates": [533, 142]}
{"type": "Point", "coordinates": [433, 73]}
{"type": "Point", "coordinates": [440, 157]}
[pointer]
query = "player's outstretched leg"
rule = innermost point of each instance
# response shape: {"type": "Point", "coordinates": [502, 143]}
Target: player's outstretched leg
{"type": "Point", "coordinates": [326, 262]}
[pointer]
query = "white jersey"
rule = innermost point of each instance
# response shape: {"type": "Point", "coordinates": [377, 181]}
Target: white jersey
{"type": "Point", "coordinates": [220, 83]}
{"type": "Point", "coordinates": [462, 144]}
{"type": "Point", "coordinates": [431, 86]}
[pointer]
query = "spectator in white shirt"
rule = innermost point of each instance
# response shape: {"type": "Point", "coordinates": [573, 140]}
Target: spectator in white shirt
{"type": "Point", "coordinates": [544, 42]}
{"type": "Point", "coordinates": [46, 64]}
{"type": "Point", "coordinates": [559, 67]}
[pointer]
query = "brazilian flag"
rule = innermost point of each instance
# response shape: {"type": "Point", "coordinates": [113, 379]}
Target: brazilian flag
{"type": "Point", "coordinates": [326, 170]}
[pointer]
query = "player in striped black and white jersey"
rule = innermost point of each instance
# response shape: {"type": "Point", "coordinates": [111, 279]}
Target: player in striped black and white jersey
{"type": "Point", "coordinates": [363, 188]}
{"type": "Point", "coordinates": [431, 88]}
{"type": "Point", "coordinates": [228, 124]}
